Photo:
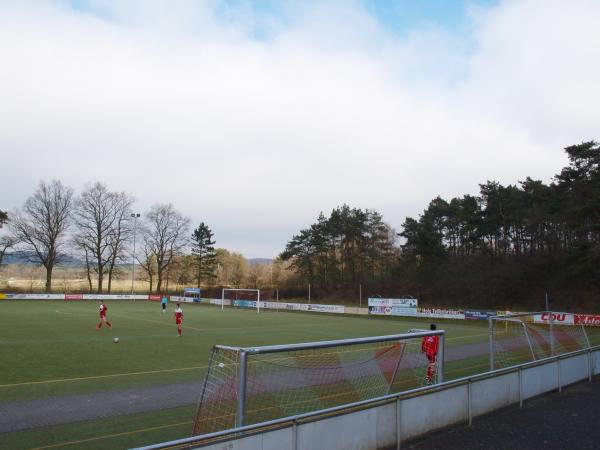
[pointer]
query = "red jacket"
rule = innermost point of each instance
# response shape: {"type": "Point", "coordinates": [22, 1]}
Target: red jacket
{"type": "Point", "coordinates": [429, 345]}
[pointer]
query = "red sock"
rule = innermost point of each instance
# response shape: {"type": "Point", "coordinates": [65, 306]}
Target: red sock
{"type": "Point", "coordinates": [99, 325]}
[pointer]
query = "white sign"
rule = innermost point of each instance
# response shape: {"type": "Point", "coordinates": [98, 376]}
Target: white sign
{"type": "Point", "coordinates": [441, 313]}
{"type": "Point", "coordinates": [557, 318]}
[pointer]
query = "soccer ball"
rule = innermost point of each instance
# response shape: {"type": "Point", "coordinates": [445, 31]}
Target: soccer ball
{"type": "Point", "coordinates": [115, 340]}
{"type": "Point", "coordinates": [221, 365]}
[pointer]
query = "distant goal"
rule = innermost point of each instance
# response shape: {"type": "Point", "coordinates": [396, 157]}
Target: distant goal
{"type": "Point", "coordinates": [241, 298]}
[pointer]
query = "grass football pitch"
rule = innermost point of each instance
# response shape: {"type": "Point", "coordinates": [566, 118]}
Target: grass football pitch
{"type": "Point", "coordinates": [51, 349]}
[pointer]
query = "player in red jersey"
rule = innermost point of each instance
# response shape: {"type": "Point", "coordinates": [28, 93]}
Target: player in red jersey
{"type": "Point", "coordinates": [103, 308]}
{"type": "Point", "coordinates": [429, 346]}
{"type": "Point", "coordinates": [178, 318]}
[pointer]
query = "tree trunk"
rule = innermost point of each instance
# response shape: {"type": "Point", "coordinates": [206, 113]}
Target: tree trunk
{"type": "Point", "coordinates": [49, 278]}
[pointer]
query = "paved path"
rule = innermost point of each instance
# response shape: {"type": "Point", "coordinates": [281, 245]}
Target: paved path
{"type": "Point", "coordinates": [22, 415]}
{"type": "Point", "coordinates": [569, 420]}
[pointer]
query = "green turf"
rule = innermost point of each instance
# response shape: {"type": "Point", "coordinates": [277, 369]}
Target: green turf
{"type": "Point", "coordinates": [51, 348]}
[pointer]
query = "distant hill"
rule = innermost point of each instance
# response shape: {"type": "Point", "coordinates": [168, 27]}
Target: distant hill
{"type": "Point", "coordinates": [25, 259]}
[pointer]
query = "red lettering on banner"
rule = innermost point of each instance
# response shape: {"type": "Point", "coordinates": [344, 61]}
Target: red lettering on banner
{"type": "Point", "coordinates": [154, 297]}
{"type": "Point", "coordinates": [587, 319]}
{"type": "Point", "coordinates": [555, 317]}
{"type": "Point", "coordinates": [73, 296]}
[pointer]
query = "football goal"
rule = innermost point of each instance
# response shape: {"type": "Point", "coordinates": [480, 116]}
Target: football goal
{"type": "Point", "coordinates": [244, 386]}
{"type": "Point", "coordinates": [520, 338]}
{"type": "Point", "coordinates": [241, 298]}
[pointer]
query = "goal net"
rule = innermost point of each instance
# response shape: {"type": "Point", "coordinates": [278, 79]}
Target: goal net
{"type": "Point", "coordinates": [241, 298]}
{"type": "Point", "coordinates": [252, 385]}
{"type": "Point", "coordinates": [521, 338]}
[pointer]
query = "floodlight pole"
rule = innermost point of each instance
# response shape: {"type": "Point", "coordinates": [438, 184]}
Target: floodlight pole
{"type": "Point", "coordinates": [135, 217]}
{"type": "Point", "coordinates": [309, 293]}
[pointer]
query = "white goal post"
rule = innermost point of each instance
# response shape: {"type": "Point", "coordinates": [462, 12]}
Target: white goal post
{"type": "Point", "coordinates": [240, 290]}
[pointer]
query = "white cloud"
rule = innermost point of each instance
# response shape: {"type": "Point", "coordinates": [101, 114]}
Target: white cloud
{"type": "Point", "coordinates": [256, 137]}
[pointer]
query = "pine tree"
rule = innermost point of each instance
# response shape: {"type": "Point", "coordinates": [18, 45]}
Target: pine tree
{"type": "Point", "coordinates": [203, 252]}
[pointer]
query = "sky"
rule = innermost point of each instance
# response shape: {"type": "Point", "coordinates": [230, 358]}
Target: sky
{"type": "Point", "coordinates": [254, 116]}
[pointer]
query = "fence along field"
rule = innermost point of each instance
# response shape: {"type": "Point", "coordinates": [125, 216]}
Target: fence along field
{"type": "Point", "coordinates": [145, 388]}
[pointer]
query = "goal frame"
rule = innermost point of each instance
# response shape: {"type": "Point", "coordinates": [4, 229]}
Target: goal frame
{"type": "Point", "coordinates": [514, 318]}
{"type": "Point", "coordinates": [240, 290]}
{"type": "Point", "coordinates": [244, 352]}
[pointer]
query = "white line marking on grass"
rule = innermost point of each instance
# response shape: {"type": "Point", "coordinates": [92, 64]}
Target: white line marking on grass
{"type": "Point", "coordinates": [95, 377]}
{"type": "Point", "coordinates": [108, 436]}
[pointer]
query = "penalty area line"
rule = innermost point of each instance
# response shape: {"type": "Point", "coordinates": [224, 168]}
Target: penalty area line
{"type": "Point", "coordinates": [109, 436]}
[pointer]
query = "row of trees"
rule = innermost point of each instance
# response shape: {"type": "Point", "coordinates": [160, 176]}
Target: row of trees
{"type": "Point", "coordinates": [348, 247]}
{"type": "Point", "coordinates": [100, 227]}
{"type": "Point", "coordinates": [532, 218]}
{"type": "Point", "coordinates": [502, 247]}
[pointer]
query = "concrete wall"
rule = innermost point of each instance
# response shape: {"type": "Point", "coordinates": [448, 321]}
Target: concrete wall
{"type": "Point", "coordinates": [422, 412]}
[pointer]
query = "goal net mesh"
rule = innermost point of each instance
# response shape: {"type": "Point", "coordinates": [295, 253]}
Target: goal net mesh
{"type": "Point", "coordinates": [516, 340]}
{"type": "Point", "coordinates": [293, 382]}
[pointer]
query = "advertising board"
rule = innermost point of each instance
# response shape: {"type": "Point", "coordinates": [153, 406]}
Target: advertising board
{"type": "Point", "coordinates": [393, 306]}
{"type": "Point", "coordinates": [587, 319]}
{"type": "Point", "coordinates": [441, 313]}
{"type": "Point", "coordinates": [478, 314]}
{"type": "Point", "coordinates": [337, 309]}
{"type": "Point", "coordinates": [558, 318]}
{"type": "Point", "coordinates": [37, 296]}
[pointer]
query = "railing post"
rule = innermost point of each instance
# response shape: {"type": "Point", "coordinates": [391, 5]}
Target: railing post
{"type": "Point", "coordinates": [469, 402]}
{"type": "Point", "coordinates": [551, 321]}
{"type": "Point", "coordinates": [558, 374]}
{"type": "Point", "coordinates": [294, 434]}
{"type": "Point", "coordinates": [590, 371]}
{"type": "Point", "coordinates": [441, 358]}
{"type": "Point", "coordinates": [241, 389]}
{"type": "Point", "coordinates": [398, 424]}
{"type": "Point", "coordinates": [491, 339]}
{"type": "Point", "coordinates": [520, 387]}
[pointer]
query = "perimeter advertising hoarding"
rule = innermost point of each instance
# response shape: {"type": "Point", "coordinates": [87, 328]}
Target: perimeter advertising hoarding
{"type": "Point", "coordinates": [291, 306]}
{"type": "Point", "coordinates": [441, 313]}
{"type": "Point", "coordinates": [393, 306]}
{"type": "Point", "coordinates": [478, 314]}
{"type": "Point", "coordinates": [558, 318]}
{"type": "Point", "coordinates": [37, 296]}
{"type": "Point", "coordinates": [587, 319]}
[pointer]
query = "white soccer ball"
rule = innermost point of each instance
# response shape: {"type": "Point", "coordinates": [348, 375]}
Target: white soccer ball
{"type": "Point", "coordinates": [115, 340]}
{"type": "Point", "coordinates": [221, 365]}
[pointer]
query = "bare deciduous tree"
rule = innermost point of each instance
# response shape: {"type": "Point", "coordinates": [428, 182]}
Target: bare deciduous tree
{"type": "Point", "coordinates": [165, 235]}
{"type": "Point", "coordinates": [148, 262]}
{"type": "Point", "coordinates": [41, 225]}
{"type": "Point", "coordinates": [102, 219]}
{"type": "Point", "coordinates": [121, 232]}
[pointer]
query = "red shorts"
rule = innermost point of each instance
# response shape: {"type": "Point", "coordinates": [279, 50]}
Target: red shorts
{"type": "Point", "coordinates": [431, 358]}
{"type": "Point", "coordinates": [178, 321]}
{"type": "Point", "coordinates": [102, 316]}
